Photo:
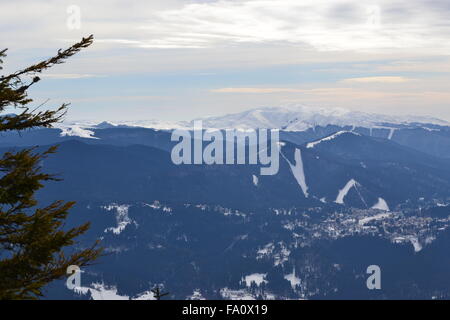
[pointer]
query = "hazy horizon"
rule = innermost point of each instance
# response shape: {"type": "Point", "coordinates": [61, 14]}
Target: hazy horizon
{"type": "Point", "coordinates": [224, 114]}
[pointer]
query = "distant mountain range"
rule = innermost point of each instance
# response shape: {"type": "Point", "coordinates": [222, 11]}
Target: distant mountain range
{"type": "Point", "coordinates": [301, 118]}
{"type": "Point", "coordinates": [298, 118]}
{"type": "Point", "coordinates": [297, 124]}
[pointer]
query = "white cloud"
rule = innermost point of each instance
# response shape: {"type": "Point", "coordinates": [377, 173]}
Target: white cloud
{"type": "Point", "coordinates": [257, 90]}
{"type": "Point", "coordinates": [173, 34]}
{"type": "Point", "coordinates": [329, 94]}
{"type": "Point", "coordinates": [376, 25]}
{"type": "Point", "coordinates": [363, 80]}
{"type": "Point", "coordinates": [389, 79]}
{"type": "Point", "coordinates": [69, 75]}
{"type": "Point", "coordinates": [322, 24]}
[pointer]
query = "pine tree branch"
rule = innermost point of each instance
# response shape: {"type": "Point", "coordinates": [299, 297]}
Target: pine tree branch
{"type": "Point", "coordinates": [58, 59]}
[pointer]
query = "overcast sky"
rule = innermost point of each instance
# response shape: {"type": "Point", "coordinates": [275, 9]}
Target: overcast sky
{"type": "Point", "coordinates": [182, 59]}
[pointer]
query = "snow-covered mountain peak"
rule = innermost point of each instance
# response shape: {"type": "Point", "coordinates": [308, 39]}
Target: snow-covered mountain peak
{"type": "Point", "coordinates": [300, 118]}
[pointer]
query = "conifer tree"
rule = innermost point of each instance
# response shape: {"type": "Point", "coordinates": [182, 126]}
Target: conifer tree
{"type": "Point", "coordinates": [35, 248]}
